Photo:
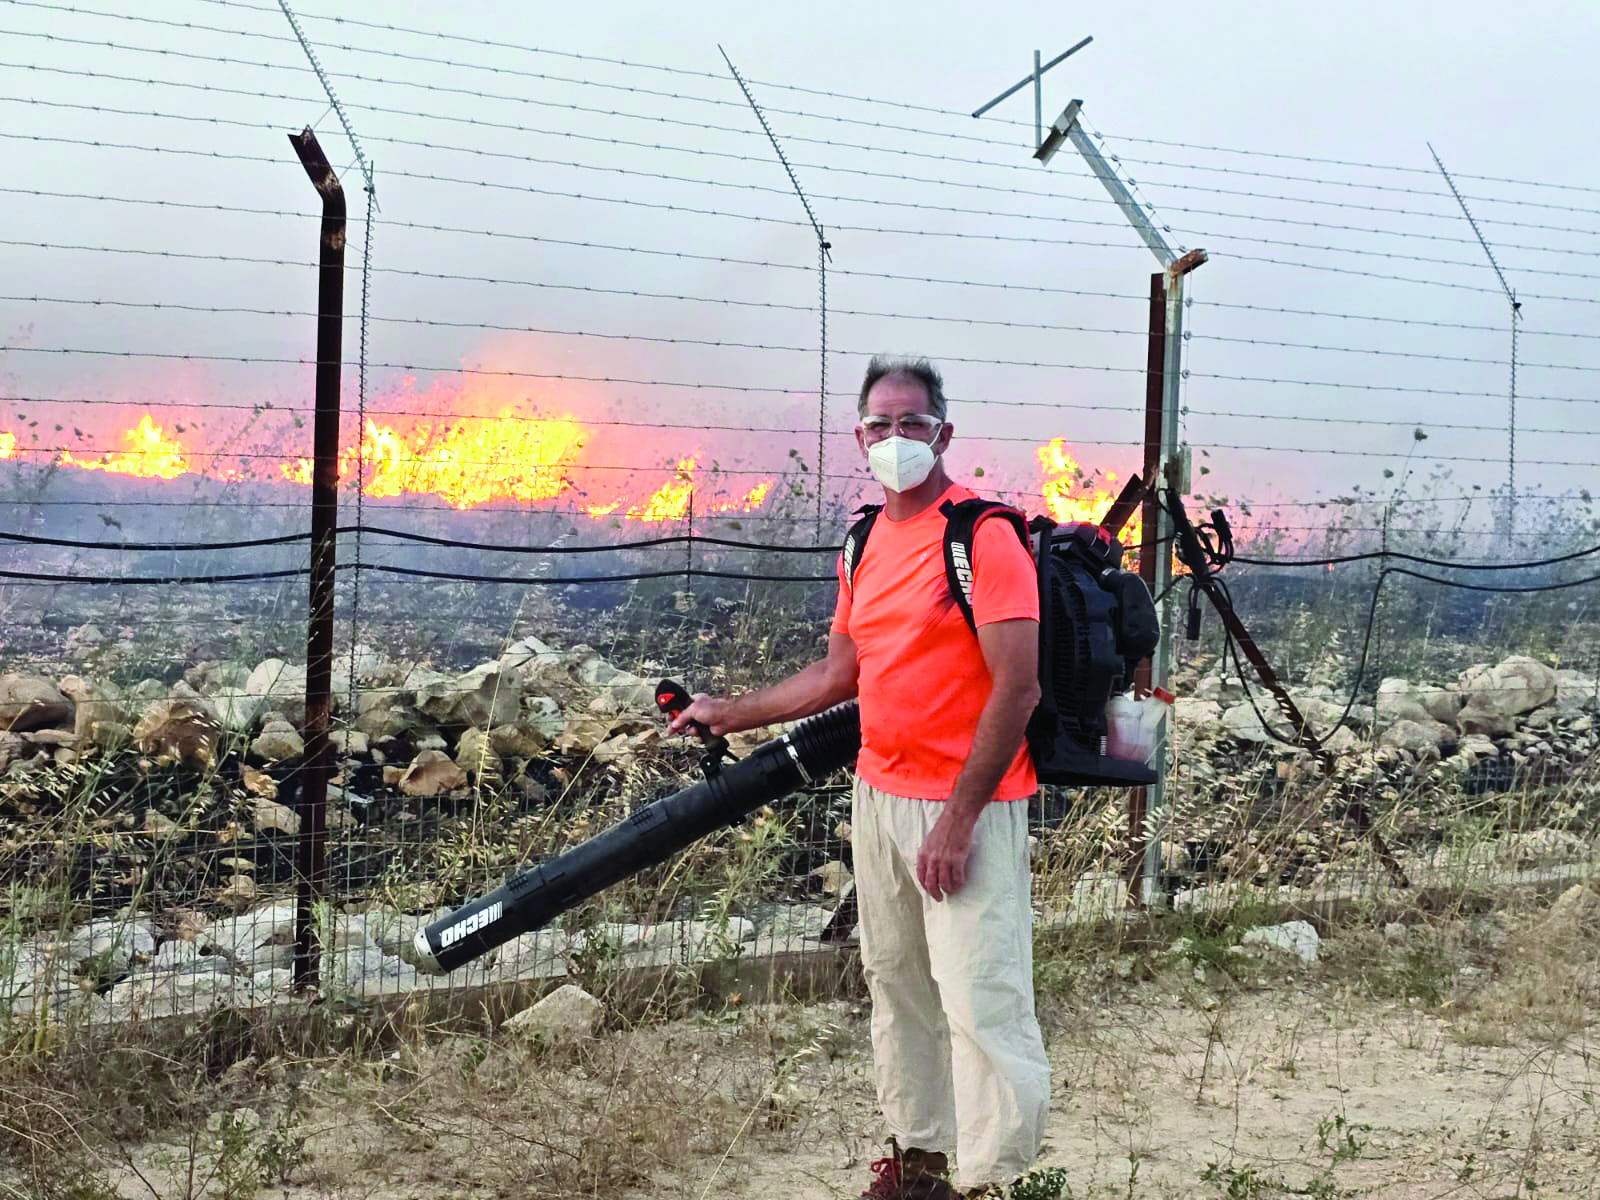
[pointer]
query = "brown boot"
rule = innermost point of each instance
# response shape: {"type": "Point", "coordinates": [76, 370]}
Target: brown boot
{"type": "Point", "coordinates": [910, 1174]}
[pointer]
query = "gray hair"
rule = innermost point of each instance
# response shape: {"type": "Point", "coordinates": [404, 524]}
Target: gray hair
{"type": "Point", "coordinates": [887, 366]}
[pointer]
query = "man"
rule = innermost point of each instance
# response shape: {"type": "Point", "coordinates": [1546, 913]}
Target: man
{"type": "Point", "coordinates": [939, 814]}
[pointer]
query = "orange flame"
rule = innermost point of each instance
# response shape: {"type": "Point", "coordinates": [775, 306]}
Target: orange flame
{"type": "Point", "coordinates": [1072, 494]}
{"type": "Point", "coordinates": [465, 461]}
{"type": "Point", "coordinates": [150, 454]}
{"type": "Point", "coordinates": [745, 503]}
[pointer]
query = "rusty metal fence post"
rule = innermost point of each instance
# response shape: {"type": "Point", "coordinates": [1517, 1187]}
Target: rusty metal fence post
{"type": "Point", "coordinates": [317, 766]}
{"type": "Point", "coordinates": [1149, 550]}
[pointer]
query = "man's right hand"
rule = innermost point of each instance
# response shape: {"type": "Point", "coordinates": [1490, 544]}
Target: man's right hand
{"type": "Point", "coordinates": [714, 712]}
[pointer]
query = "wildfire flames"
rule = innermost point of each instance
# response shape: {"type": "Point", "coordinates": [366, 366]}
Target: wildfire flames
{"type": "Point", "coordinates": [1073, 494]}
{"type": "Point", "coordinates": [473, 460]}
{"type": "Point", "coordinates": [464, 461]}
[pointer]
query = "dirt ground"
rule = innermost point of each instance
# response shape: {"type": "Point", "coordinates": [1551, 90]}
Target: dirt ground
{"type": "Point", "coordinates": [1452, 1059]}
{"type": "Point", "coordinates": [1273, 1093]}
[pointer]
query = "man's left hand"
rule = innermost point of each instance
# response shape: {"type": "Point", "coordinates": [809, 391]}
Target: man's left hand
{"type": "Point", "coordinates": [942, 861]}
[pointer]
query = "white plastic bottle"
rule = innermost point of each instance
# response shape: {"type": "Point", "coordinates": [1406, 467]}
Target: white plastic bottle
{"type": "Point", "coordinates": [1132, 726]}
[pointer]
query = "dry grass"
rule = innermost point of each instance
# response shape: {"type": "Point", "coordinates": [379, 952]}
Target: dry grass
{"type": "Point", "coordinates": [1434, 1056]}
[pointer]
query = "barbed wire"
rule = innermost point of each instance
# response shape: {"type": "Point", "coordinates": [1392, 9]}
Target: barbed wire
{"type": "Point", "coordinates": [741, 131]}
{"type": "Point", "coordinates": [719, 101]}
{"type": "Point", "coordinates": [662, 206]}
{"type": "Point", "coordinates": [868, 100]}
{"type": "Point", "coordinates": [633, 201]}
{"type": "Point", "coordinates": [805, 308]}
{"type": "Point", "coordinates": [96, 302]}
{"type": "Point", "coordinates": [280, 262]}
{"type": "Point", "coordinates": [824, 167]}
{"type": "Point", "coordinates": [245, 359]}
{"type": "Point", "coordinates": [1218, 304]}
{"type": "Point", "coordinates": [558, 470]}
{"type": "Point", "coordinates": [702, 181]}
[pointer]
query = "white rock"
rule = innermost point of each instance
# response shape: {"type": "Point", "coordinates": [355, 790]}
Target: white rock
{"type": "Point", "coordinates": [529, 656]}
{"type": "Point", "coordinates": [186, 956]}
{"type": "Point", "coordinates": [109, 946]}
{"type": "Point", "coordinates": [382, 713]}
{"type": "Point", "coordinates": [1418, 737]}
{"type": "Point", "coordinates": [1539, 847]}
{"type": "Point", "coordinates": [365, 970]}
{"type": "Point", "coordinates": [623, 689]}
{"type": "Point", "coordinates": [269, 814]}
{"type": "Point", "coordinates": [1342, 740]}
{"type": "Point", "coordinates": [1323, 714]}
{"type": "Point", "coordinates": [278, 685]}
{"type": "Point", "coordinates": [278, 740]}
{"type": "Point", "coordinates": [537, 955]}
{"type": "Point", "coordinates": [544, 716]}
{"type": "Point", "coordinates": [1575, 912]}
{"type": "Point", "coordinates": [176, 993]}
{"type": "Point", "coordinates": [257, 940]}
{"type": "Point", "coordinates": [431, 773]}
{"type": "Point", "coordinates": [1495, 696]}
{"type": "Point", "coordinates": [510, 741]}
{"type": "Point", "coordinates": [1576, 691]}
{"type": "Point", "coordinates": [796, 926]}
{"type": "Point", "coordinates": [487, 696]}
{"type": "Point", "coordinates": [390, 930]}
{"type": "Point", "coordinates": [1240, 721]}
{"type": "Point", "coordinates": [1402, 700]}
{"type": "Point", "coordinates": [568, 1013]}
{"type": "Point", "coordinates": [32, 702]}
{"type": "Point", "coordinates": [1294, 937]}
{"type": "Point", "coordinates": [1196, 712]}
{"type": "Point", "coordinates": [278, 981]}
{"type": "Point", "coordinates": [226, 687]}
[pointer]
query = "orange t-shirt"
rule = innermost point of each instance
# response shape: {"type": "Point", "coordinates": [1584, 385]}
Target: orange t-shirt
{"type": "Point", "coordinates": [923, 681]}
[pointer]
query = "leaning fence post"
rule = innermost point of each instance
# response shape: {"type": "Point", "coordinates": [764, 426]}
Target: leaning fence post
{"type": "Point", "coordinates": [317, 765]}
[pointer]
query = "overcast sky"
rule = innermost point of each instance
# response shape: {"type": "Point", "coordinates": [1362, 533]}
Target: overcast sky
{"type": "Point", "coordinates": [524, 141]}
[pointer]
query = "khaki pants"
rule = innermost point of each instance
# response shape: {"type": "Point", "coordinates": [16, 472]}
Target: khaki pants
{"type": "Point", "coordinates": [956, 1048]}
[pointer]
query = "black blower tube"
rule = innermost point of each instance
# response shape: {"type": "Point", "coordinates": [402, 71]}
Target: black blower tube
{"type": "Point", "coordinates": [652, 834]}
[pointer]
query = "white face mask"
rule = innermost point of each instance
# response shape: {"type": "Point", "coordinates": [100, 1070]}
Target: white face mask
{"type": "Point", "coordinates": [900, 463]}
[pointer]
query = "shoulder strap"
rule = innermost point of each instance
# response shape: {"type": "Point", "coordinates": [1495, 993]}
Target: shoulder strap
{"type": "Point", "coordinates": [961, 526]}
{"type": "Point", "coordinates": [855, 542]}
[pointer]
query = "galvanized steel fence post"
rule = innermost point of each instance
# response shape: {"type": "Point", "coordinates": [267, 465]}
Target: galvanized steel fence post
{"type": "Point", "coordinates": [1163, 463]}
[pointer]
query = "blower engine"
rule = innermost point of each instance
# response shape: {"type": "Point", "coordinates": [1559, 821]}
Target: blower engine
{"type": "Point", "coordinates": [1096, 621]}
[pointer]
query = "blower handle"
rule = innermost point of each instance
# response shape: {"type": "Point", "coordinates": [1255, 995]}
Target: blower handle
{"type": "Point", "coordinates": [672, 698]}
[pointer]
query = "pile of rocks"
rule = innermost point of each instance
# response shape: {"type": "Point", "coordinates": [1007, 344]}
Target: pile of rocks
{"type": "Point", "coordinates": [433, 731]}
{"type": "Point", "coordinates": [205, 769]}
{"type": "Point", "coordinates": [1520, 708]}
{"type": "Point", "coordinates": [1419, 748]}
{"type": "Point", "coordinates": [131, 965]}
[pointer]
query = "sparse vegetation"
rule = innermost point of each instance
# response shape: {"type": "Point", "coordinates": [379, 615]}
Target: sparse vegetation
{"type": "Point", "coordinates": [1166, 1029]}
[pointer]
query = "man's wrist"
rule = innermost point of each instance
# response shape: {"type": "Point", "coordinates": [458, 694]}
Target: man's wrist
{"type": "Point", "coordinates": [964, 803]}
